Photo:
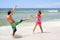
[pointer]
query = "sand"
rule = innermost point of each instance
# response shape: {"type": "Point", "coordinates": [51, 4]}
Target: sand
{"type": "Point", "coordinates": [24, 32]}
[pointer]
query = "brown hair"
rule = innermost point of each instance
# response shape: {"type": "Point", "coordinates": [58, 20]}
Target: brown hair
{"type": "Point", "coordinates": [9, 12]}
{"type": "Point", "coordinates": [39, 12]}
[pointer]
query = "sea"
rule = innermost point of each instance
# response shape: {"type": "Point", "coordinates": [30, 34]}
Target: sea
{"type": "Point", "coordinates": [20, 13]}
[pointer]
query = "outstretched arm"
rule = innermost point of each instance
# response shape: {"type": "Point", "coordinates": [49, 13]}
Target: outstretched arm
{"type": "Point", "coordinates": [14, 8]}
{"type": "Point", "coordinates": [43, 14]}
{"type": "Point", "coordinates": [12, 11]}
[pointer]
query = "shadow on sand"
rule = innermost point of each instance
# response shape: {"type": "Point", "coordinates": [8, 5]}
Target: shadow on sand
{"type": "Point", "coordinates": [41, 32]}
{"type": "Point", "coordinates": [17, 36]}
{"type": "Point", "coordinates": [20, 36]}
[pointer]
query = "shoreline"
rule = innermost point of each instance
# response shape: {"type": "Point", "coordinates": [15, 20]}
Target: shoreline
{"type": "Point", "coordinates": [46, 23]}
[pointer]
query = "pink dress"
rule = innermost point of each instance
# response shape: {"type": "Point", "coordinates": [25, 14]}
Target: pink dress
{"type": "Point", "coordinates": [38, 20]}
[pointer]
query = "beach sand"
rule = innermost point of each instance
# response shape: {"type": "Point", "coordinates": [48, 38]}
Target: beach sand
{"type": "Point", "coordinates": [24, 32]}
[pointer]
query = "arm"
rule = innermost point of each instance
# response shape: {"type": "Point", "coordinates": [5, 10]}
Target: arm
{"type": "Point", "coordinates": [43, 14]}
{"type": "Point", "coordinates": [14, 8]}
{"type": "Point", "coordinates": [12, 11]}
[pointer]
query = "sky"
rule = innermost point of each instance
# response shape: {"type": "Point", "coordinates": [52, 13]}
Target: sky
{"type": "Point", "coordinates": [30, 3]}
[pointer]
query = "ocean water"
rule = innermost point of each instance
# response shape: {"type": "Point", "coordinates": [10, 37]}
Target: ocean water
{"type": "Point", "coordinates": [50, 14]}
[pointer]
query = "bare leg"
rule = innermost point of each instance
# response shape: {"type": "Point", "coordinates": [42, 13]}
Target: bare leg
{"type": "Point", "coordinates": [34, 27]}
{"type": "Point", "coordinates": [26, 19]}
{"type": "Point", "coordinates": [41, 28]}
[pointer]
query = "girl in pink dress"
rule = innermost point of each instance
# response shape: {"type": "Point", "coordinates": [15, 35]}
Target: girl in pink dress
{"type": "Point", "coordinates": [38, 21]}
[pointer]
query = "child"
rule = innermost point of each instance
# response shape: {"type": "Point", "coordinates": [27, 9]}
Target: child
{"type": "Point", "coordinates": [12, 22]}
{"type": "Point", "coordinates": [38, 20]}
